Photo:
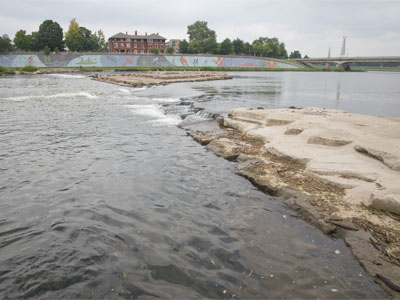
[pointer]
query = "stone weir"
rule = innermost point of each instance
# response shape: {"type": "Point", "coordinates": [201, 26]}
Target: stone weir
{"type": "Point", "coordinates": [340, 171]}
{"type": "Point", "coordinates": [148, 78]}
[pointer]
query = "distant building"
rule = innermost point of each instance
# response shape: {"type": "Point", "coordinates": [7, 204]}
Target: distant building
{"type": "Point", "coordinates": [137, 44]}
{"type": "Point", "coordinates": [174, 44]}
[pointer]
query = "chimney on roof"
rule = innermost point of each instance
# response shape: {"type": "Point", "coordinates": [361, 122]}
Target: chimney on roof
{"type": "Point", "coordinates": [146, 33]}
{"type": "Point", "coordinates": [127, 33]}
{"type": "Point", "coordinates": [157, 33]}
{"type": "Point", "coordinates": [135, 32]}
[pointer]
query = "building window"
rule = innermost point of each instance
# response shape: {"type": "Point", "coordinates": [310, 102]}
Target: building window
{"type": "Point", "coordinates": [155, 46]}
{"type": "Point", "coordinates": [150, 46]}
{"type": "Point", "coordinates": [135, 51]}
{"type": "Point", "coordinates": [142, 46]}
{"type": "Point", "coordinates": [122, 45]}
{"type": "Point", "coordinates": [115, 45]}
{"type": "Point", "coordinates": [128, 45]}
{"type": "Point", "coordinates": [142, 51]}
{"type": "Point", "coordinates": [135, 45]}
{"type": "Point", "coordinates": [162, 46]}
{"type": "Point", "coordinates": [173, 43]}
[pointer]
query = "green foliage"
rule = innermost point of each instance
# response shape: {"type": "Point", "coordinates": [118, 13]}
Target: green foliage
{"type": "Point", "coordinates": [5, 44]}
{"type": "Point", "coordinates": [29, 69]}
{"type": "Point", "coordinates": [154, 51]}
{"type": "Point", "coordinates": [73, 37]}
{"type": "Point", "coordinates": [184, 46]}
{"type": "Point", "coordinates": [46, 50]}
{"type": "Point", "coordinates": [22, 41]}
{"type": "Point", "coordinates": [238, 46]}
{"type": "Point", "coordinates": [98, 42]}
{"type": "Point", "coordinates": [170, 50]}
{"type": "Point", "coordinates": [269, 47]}
{"type": "Point", "coordinates": [56, 50]}
{"type": "Point", "coordinates": [201, 38]}
{"type": "Point", "coordinates": [82, 39]}
{"type": "Point", "coordinates": [306, 56]}
{"type": "Point", "coordinates": [50, 34]}
{"type": "Point", "coordinates": [226, 47]}
{"type": "Point", "coordinates": [295, 54]}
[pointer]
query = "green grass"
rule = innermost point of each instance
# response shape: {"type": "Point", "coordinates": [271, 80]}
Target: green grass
{"type": "Point", "coordinates": [29, 69]}
{"type": "Point", "coordinates": [3, 70]}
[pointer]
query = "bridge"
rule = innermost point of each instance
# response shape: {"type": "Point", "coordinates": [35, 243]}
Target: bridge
{"type": "Point", "coordinates": [345, 61]}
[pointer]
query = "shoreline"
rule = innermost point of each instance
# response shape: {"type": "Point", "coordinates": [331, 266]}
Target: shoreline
{"type": "Point", "coordinates": [372, 233]}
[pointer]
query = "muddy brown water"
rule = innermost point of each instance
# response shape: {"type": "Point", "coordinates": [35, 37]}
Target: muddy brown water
{"type": "Point", "coordinates": [103, 196]}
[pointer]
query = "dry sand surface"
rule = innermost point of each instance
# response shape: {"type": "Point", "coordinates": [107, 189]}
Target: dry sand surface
{"type": "Point", "coordinates": [147, 78]}
{"type": "Point", "coordinates": [340, 171]}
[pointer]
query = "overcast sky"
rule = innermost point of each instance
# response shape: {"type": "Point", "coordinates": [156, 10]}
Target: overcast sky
{"type": "Point", "coordinates": [372, 27]}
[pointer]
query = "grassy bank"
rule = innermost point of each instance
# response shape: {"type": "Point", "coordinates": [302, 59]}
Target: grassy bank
{"type": "Point", "coordinates": [31, 69]}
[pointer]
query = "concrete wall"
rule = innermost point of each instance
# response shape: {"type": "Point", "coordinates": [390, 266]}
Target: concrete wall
{"type": "Point", "coordinates": [119, 60]}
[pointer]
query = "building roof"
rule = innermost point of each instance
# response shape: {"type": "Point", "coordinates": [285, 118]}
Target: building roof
{"type": "Point", "coordinates": [142, 37]}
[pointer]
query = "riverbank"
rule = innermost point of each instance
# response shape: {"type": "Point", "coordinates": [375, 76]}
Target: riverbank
{"type": "Point", "coordinates": [148, 78]}
{"type": "Point", "coordinates": [339, 171]}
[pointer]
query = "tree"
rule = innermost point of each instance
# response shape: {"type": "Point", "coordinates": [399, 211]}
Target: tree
{"type": "Point", "coordinates": [248, 49]}
{"type": "Point", "coordinates": [35, 41]}
{"type": "Point", "coordinates": [50, 34]}
{"type": "Point", "coordinates": [269, 47]}
{"type": "Point", "coordinates": [5, 44]}
{"type": "Point", "coordinates": [170, 50]}
{"type": "Point", "coordinates": [73, 39]}
{"type": "Point", "coordinates": [154, 51]}
{"type": "Point", "coordinates": [200, 35]}
{"type": "Point", "coordinates": [99, 42]}
{"type": "Point", "coordinates": [306, 56]}
{"type": "Point", "coordinates": [46, 50]}
{"type": "Point", "coordinates": [210, 45]}
{"type": "Point", "coordinates": [295, 54]}
{"type": "Point", "coordinates": [87, 42]}
{"type": "Point", "coordinates": [22, 41]}
{"type": "Point", "coordinates": [183, 46]}
{"type": "Point", "coordinates": [238, 46]}
{"type": "Point", "coordinates": [226, 47]}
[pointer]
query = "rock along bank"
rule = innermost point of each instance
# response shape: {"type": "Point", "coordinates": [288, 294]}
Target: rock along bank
{"type": "Point", "coordinates": [339, 171]}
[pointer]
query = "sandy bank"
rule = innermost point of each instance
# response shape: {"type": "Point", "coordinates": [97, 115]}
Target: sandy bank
{"type": "Point", "coordinates": [340, 171]}
{"type": "Point", "coordinates": [147, 78]}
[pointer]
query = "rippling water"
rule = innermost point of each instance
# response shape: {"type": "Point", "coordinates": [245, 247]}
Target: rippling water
{"type": "Point", "coordinates": [102, 196]}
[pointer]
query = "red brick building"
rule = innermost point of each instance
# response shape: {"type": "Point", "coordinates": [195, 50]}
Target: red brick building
{"type": "Point", "coordinates": [137, 44]}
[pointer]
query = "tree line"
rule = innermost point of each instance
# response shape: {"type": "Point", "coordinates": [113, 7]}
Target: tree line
{"type": "Point", "coordinates": [50, 38]}
{"type": "Point", "coordinates": [204, 40]}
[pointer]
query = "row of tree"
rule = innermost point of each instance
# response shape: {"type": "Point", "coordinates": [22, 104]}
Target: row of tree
{"type": "Point", "coordinates": [204, 40]}
{"type": "Point", "coordinates": [50, 37]}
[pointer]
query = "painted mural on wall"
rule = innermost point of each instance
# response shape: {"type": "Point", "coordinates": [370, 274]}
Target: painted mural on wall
{"type": "Point", "coordinates": [118, 60]}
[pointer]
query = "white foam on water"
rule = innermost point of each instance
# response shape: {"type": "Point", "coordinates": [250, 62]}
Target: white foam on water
{"type": "Point", "coordinates": [125, 91]}
{"type": "Point", "coordinates": [55, 96]}
{"type": "Point", "coordinates": [68, 76]}
{"type": "Point", "coordinates": [165, 100]}
{"type": "Point", "coordinates": [155, 113]}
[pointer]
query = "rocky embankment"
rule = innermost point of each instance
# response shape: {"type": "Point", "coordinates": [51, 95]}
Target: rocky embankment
{"type": "Point", "coordinates": [148, 78]}
{"type": "Point", "coordinates": [339, 171]}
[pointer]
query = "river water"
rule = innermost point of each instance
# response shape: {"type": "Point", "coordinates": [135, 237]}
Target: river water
{"type": "Point", "coordinates": [103, 196]}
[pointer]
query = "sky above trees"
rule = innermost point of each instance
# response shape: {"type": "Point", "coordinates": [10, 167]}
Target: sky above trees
{"type": "Point", "coordinates": [372, 27]}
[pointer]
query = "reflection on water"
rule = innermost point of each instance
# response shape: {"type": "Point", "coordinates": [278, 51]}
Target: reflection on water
{"type": "Point", "coordinates": [102, 196]}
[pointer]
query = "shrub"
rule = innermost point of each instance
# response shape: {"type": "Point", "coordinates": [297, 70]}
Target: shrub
{"type": "Point", "coordinates": [170, 50]}
{"type": "Point", "coordinates": [56, 50]}
{"type": "Point", "coordinates": [46, 50]}
{"type": "Point", "coordinates": [29, 69]}
{"type": "Point", "coordinates": [154, 51]}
